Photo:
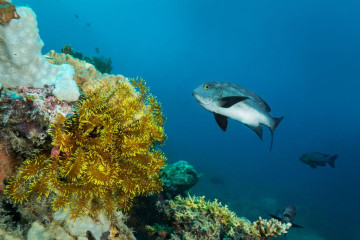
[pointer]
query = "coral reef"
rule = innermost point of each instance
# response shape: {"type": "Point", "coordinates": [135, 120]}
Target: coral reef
{"type": "Point", "coordinates": [271, 228]}
{"type": "Point", "coordinates": [21, 62]}
{"type": "Point", "coordinates": [144, 211]}
{"type": "Point", "coordinates": [103, 156]}
{"type": "Point", "coordinates": [195, 218]}
{"type": "Point", "coordinates": [7, 12]}
{"type": "Point", "coordinates": [23, 128]}
{"type": "Point", "coordinates": [178, 178]}
{"type": "Point", "coordinates": [84, 71]}
{"type": "Point", "coordinates": [7, 164]}
{"type": "Point", "coordinates": [67, 49]}
{"type": "Point", "coordinates": [101, 63]}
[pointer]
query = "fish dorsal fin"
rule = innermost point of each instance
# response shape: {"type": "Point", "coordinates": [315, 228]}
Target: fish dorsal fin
{"type": "Point", "coordinates": [322, 154]}
{"type": "Point", "coordinates": [221, 121]}
{"type": "Point", "coordinates": [294, 225]}
{"type": "Point", "coordinates": [276, 217]}
{"type": "Point", "coordinates": [267, 107]}
{"type": "Point", "coordinates": [227, 102]}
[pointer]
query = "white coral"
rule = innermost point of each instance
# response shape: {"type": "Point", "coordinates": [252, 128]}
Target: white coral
{"type": "Point", "coordinates": [21, 62]}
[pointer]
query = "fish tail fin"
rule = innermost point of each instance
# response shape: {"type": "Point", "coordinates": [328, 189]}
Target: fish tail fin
{"type": "Point", "coordinates": [332, 159]}
{"type": "Point", "coordinates": [273, 128]}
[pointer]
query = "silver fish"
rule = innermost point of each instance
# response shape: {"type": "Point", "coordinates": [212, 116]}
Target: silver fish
{"type": "Point", "coordinates": [315, 159]}
{"type": "Point", "coordinates": [287, 215]}
{"type": "Point", "coordinates": [228, 100]}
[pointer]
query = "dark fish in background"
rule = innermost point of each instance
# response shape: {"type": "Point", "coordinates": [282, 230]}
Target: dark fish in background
{"type": "Point", "coordinates": [76, 16]}
{"type": "Point", "coordinates": [88, 24]}
{"type": "Point", "coordinates": [287, 216]}
{"type": "Point", "coordinates": [315, 159]}
{"type": "Point", "coordinates": [228, 100]}
{"type": "Point", "coordinates": [97, 50]}
{"type": "Point", "coordinates": [216, 180]}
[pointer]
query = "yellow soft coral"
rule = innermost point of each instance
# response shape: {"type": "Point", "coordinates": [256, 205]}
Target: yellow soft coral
{"type": "Point", "coordinates": [103, 156]}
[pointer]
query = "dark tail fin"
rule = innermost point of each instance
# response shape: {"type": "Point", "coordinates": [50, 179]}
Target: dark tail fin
{"type": "Point", "coordinates": [331, 160]}
{"type": "Point", "coordinates": [276, 123]}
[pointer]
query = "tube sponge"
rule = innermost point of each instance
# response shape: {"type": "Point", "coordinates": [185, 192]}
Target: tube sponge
{"type": "Point", "coordinates": [21, 62]}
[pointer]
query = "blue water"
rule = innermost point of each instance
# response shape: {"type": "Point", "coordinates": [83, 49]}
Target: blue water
{"type": "Point", "coordinates": [301, 56]}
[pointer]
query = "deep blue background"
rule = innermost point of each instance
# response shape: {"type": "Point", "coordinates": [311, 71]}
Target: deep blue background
{"type": "Point", "coordinates": [301, 56]}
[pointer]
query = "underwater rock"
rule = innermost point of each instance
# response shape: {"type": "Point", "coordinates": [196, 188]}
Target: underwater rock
{"type": "Point", "coordinates": [178, 178]}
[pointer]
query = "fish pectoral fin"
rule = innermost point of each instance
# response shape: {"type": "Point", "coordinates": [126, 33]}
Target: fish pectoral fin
{"type": "Point", "coordinates": [273, 216]}
{"type": "Point", "coordinates": [257, 129]}
{"type": "Point", "coordinates": [221, 120]}
{"type": "Point", "coordinates": [294, 225]}
{"type": "Point", "coordinates": [227, 102]}
{"type": "Point", "coordinates": [312, 165]}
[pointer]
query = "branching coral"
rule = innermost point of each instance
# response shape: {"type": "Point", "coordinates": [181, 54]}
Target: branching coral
{"type": "Point", "coordinates": [103, 156]}
{"type": "Point", "coordinates": [271, 228]}
{"type": "Point", "coordinates": [195, 218]}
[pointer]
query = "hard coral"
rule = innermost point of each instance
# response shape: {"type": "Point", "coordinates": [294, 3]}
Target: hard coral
{"type": "Point", "coordinates": [195, 218]}
{"type": "Point", "coordinates": [106, 152]}
{"type": "Point", "coordinates": [7, 12]}
{"type": "Point", "coordinates": [271, 228]}
{"type": "Point", "coordinates": [21, 62]}
{"type": "Point", "coordinates": [178, 178]}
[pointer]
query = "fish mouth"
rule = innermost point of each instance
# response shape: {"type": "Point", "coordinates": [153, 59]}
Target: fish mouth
{"type": "Point", "coordinates": [201, 100]}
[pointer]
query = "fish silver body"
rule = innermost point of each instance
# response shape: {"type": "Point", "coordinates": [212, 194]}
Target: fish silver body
{"type": "Point", "coordinates": [228, 100]}
{"type": "Point", "coordinates": [287, 215]}
{"type": "Point", "coordinates": [315, 159]}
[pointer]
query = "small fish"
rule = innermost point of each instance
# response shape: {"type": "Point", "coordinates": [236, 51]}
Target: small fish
{"type": "Point", "coordinates": [287, 215]}
{"type": "Point", "coordinates": [76, 16]}
{"type": "Point", "coordinates": [88, 24]}
{"type": "Point", "coordinates": [228, 100]}
{"type": "Point", "coordinates": [97, 50]}
{"type": "Point", "coordinates": [315, 159]}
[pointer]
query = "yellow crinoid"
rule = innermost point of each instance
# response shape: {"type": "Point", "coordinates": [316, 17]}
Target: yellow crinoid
{"type": "Point", "coordinates": [103, 156]}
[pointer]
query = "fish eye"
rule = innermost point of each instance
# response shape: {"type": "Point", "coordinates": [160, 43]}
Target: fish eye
{"type": "Point", "coordinates": [206, 86]}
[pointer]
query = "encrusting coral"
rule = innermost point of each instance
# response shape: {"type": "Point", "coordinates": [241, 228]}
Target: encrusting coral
{"type": "Point", "coordinates": [271, 228]}
{"type": "Point", "coordinates": [102, 157]}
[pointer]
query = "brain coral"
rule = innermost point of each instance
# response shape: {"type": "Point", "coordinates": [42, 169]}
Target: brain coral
{"type": "Point", "coordinates": [103, 156]}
